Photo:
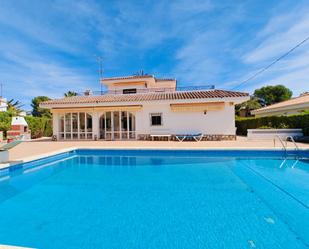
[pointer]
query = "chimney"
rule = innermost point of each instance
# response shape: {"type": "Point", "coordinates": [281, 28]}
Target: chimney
{"type": "Point", "coordinates": [88, 92]}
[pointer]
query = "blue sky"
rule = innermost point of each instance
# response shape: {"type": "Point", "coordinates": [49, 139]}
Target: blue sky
{"type": "Point", "coordinates": [49, 47]}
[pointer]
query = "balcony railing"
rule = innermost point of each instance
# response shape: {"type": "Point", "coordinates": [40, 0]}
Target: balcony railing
{"type": "Point", "coordinates": [148, 90]}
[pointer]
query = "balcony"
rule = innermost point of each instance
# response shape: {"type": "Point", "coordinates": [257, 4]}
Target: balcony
{"type": "Point", "coordinates": [148, 90]}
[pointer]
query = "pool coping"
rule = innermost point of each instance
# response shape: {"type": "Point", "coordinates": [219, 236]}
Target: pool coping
{"type": "Point", "coordinates": [69, 149]}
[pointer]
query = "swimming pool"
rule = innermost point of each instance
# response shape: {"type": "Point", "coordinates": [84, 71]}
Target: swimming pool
{"type": "Point", "coordinates": [157, 199]}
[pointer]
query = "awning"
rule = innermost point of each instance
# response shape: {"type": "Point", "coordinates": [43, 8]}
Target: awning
{"type": "Point", "coordinates": [197, 107]}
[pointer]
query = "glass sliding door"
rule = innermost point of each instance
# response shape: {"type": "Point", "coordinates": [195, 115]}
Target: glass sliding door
{"type": "Point", "coordinates": [131, 126]}
{"type": "Point", "coordinates": [76, 125]}
{"type": "Point", "coordinates": [102, 126]}
{"type": "Point", "coordinates": [68, 126]}
{"type": "Point", "coordinates": [88, 126]}
{"type": "Point", "coordinates": [108, 129]}
{"type": "Point", "coordinates": [116, 125]}
{"type": "Point", "coordinates": [124, 125]}
{"type": "Point", "coordinates": [113, 125]}
{"type": "Point", "coordinates": [82, 126]}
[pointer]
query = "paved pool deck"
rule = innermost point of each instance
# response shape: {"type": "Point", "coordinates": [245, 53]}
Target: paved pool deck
{"type": "Point", "coordinates": [35, 149]}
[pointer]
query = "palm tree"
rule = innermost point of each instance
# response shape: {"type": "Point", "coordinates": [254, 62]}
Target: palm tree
{"type": "Point", "coordinates": [70, 94]}
{"type": "Point", "coordinates": [15, 106]}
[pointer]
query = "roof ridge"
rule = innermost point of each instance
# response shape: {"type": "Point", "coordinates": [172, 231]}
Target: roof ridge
{"type": "Point", "coordinates": [129, 77]}
{"type": "Point", "coordinates": [282, 103]}
{"type": "Point", "coordinates": [152, 96]}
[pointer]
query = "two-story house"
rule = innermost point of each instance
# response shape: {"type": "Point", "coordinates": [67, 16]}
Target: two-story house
{"type": "Point", "coordinates": [135, 107]}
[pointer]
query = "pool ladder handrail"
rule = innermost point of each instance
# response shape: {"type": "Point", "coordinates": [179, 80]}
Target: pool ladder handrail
{"type": "Point", "coordinates": [284, 146]}
{"type": "Point", "coordinates": [281, 141]}
{"type": "Point", "coordinates": [293, 141]}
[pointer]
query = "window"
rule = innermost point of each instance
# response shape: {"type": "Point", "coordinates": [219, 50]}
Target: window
{"type": "Point", "coordinates": [129, 91]}
{"type": "Point", "coordinates": [77, 125]}
{"type": "Point", "coordinates": [156, 119]}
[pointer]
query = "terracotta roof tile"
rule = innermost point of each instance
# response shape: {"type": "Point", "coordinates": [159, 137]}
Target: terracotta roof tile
{"type": "Point", "coordinates": [144, 97]}
{"type": "Point", "coordinates": [303, 99]}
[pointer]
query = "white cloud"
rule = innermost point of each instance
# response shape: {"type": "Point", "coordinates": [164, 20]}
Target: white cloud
{"type": "Point", "coordinates": [204, 42]}
{"type": "Point", "coordinates": [279, 35]}
{"type": "Point", "coordinates": [281, 40]}
{"type": "Point", "coordinates": [26, 73]}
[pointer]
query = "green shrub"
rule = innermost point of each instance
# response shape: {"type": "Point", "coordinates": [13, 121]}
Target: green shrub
{"type": "Point", "coordinates": [278, 122]}
{"type": "Point", "coordinates": [5, 122]}
{"type": "Point", "coordinates": [306, 131]}
{"type": "Point", "coordinates": [39, 126]}
{"type": "Point", "coordinates": [264, 127]}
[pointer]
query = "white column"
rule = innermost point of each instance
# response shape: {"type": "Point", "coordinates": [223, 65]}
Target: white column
{"type": "Point", "coordinates": [78, 126]}
{"type": "Point", "coordinates": [128, 125]}
{"type": "Point", "coordinates": [56, 125]}
{"type": "Point", "coordinates": [105, 126]}
{"type": "Point", "coordinates": [95, 125]}
{"type": "Point", "coordinates": [120, 128]}
{"type": "Point", "coordinates": [71, 126]}
{"type": "Point", "coordinates": [112, 124]}
{"type": "Point", "coordinates": [86, 128]}
{"type": "Point", "coordinates": [64, 126]}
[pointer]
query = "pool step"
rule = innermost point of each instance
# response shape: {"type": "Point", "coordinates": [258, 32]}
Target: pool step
{"type": "Point", "coordinates": [13, 247]}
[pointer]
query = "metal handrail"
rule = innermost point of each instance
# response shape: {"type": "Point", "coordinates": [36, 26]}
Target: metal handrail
{"type": "Point", "coordinates": [293, 141]}
{"type": "Point", "coordinates": [281, 141]}
{"type": "Point", "coordinates": [152, 90]}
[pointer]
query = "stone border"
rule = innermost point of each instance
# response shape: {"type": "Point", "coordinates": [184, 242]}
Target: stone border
{"type": "Point", "coordinates": [215, 137]}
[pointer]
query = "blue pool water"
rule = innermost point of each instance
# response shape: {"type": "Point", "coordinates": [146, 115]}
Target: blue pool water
{"type": "Point", "coordinates": [157, 199]}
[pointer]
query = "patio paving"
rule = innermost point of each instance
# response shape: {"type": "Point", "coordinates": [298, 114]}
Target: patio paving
{"type": "Point", "coordinates": [43, 147]}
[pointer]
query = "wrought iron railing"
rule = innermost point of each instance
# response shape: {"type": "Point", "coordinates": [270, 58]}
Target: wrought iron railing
{"type": "Point", "coordinates": [149, 90]}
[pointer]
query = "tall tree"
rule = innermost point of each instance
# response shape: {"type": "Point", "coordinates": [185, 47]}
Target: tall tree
{"type": "Point", "coordinates": [244, 109]}
{"type": "Point", "coordinates": [273, 94]}
{"type": "Point", "coordinates": [70, 94]}
{"type": "Point", "coordinates": [37, 111]}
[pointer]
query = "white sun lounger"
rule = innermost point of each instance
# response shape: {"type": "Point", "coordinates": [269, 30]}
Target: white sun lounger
{"type": "Point", "coordinates": [10, 145]}
{"type": "Point", "coordinates": [4, 150]}
{"type": "Point", "coordinates": [160, 133]}
{"type": "Point", "coordinates": [196, 136]}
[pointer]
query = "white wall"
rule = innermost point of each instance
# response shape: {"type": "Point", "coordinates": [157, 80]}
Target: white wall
{"type": "Point", "coordinates": [3, 105]}
{"type": "Point", "coordinates": [214, 122]}
{"type": "Point", "coordinates": [55, 124]}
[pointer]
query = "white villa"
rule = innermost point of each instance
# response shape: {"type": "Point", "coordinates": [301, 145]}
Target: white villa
{"type": "Point", "coordinates": [3, 104]}
{"type": "Point", "coordinates": [144, 107]}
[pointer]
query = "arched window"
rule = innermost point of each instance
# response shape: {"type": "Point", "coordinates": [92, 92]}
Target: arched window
{"type": "Point", "coordinates": [117, 125]}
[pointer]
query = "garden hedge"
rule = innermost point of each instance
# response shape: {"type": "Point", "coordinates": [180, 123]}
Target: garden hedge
{"type": "Point", "coordinates": [39, 126]}
{"type": "Point", "coordinates": [300, 121]}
